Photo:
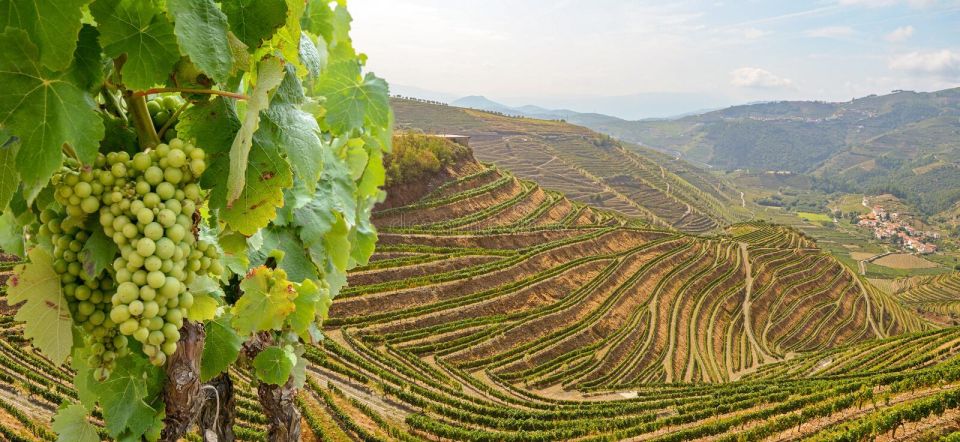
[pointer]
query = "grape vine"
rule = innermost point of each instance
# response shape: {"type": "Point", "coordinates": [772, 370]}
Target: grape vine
{"type": "Point", "coordinates": [189, 181]}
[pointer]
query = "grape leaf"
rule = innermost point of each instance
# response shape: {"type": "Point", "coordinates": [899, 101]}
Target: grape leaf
{"type": "Point", "coordinates": [98, 253]}
{"type": "Point", "coordinates": [295, 261]}
{"type": "Point", "coordinates": [201, 29]}
{"type": "Point", "coordinates": [335, 194]}
{"type": "Point", "coordinates": [298, 375]}
{"type": "Point", "coordinates": [267, 175]}
{"type": "Point", "coordinates": [308, 295]}
{"type": "Point", "coordinates": [365, 235]}
{"type": "Point", "coordinates": [123, 396]}
{"type": "Point", "coordinates": [11, 233]}
{"type": "Point", "coordinates": [52, 24]}
{"type": "Point", "coordinates": [140, 30]}
{"type": "Point", "coordinates": [270, 73]}
{"type": "Point", "coordinates": [352, 101]}
{"type": "Point", "coordinates": [204, 307]}
{"type": "Point", "coordinates": [221, 349]}
{"type": "Point", "coordinates": [45, 313]}
{"type": "Point", "coordinates": [287, 38]}
{"type": "Point", "coordinates": [212, 124]}
{"type": "Point", "coordinates": [87, 70]}
{"type": "Point", "coordinates": [274, 364]}
{"type": "Point", "coordinates": [206, 298]}
{"type": "Point", "coordinates": [375, 175]}
{"type": "Point", "coordinates": [9, 177]}
{"type": "Point", "coordinates": [294, 131]}
{"type": "Point", "coordinates": [44, 109]}
{"type": "Point", "coordinates": [71, 425]}
{"type": "Point", "coordinates": [312, 56]}
{"type": "Point", "coordinates": [254, 21]}
{"type": "Point", "coordinates": [266, 302]}
{"type": "Point", "coordinates": [318, 19]}
{"type": "Point", "coordinates": [83, 375]}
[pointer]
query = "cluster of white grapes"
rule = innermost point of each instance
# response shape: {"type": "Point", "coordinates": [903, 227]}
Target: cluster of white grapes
{"type": "Point", "coordinates": [147, 205]}
{"type": "Point", "coordinates": [162, 110]}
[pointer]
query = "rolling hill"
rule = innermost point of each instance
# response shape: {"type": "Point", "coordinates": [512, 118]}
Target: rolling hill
{"type": "Point", "coordinates": [494, 310]}
{"type": "Point", "coordinates": [586, 166]}
{"type": "Point", "coordinates": [905, 143]}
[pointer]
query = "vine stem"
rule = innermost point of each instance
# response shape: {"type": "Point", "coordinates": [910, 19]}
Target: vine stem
{"type": "Point", "coordinates": [146, 132]}
{"type": "Point", "coordinates": [170, 121]}
{"type": "Point", "coordinates": [158, 90]}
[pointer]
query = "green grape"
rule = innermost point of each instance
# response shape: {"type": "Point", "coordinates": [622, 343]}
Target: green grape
{"type": "Point", "coordinates": [154, 107]}
{"type": "Point", "coordinates": [171, 102]}
{"type": "Point", "coordinates": [146, 205]}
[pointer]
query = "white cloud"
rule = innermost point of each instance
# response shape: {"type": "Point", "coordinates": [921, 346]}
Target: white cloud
{"type": "Point", "coordinates": [943, 63]}
{"type": "Point", "coordinates": [753, 33]}
{"type": "Point", "coordinates": [758, 78]}
{"type": "Point", "coordinates": [884, 3]}
{"type": "Point", "coordinates": [831, 32]}
{"type": "Point", "coordinates": [900, 34]}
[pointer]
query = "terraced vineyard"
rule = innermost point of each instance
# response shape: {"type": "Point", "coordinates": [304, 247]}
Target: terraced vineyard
{"type": "Point", "coordinates": [934, 296]}
{"type": "Point", "coordinates": [587, 167]}
{"type": "Point", "coordinates": [495, 310]}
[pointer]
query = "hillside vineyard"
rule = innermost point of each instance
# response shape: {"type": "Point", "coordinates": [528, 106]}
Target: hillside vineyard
{"type": "Point", "coordinates": [494, 310]}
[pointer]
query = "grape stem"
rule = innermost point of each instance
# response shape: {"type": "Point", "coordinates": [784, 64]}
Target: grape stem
{"type": "Point", "coordinates": [170, 121]}
{"type": "Point", "coordinates": [159, 90]}
{"type": "Point", "coordinates": [146, 132]}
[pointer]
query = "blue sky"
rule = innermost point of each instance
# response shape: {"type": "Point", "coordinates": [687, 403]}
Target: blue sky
{"type": "Point", "coordinates": [675, 56]}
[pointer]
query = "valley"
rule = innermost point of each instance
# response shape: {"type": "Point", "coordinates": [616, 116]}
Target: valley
{"type": "Point", "coordinates": [495, 310]}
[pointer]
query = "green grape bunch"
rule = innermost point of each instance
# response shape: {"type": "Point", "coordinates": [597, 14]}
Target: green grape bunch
{"type": "Point", "coordinates": [147, 205]}
{"type": "Point", "coordinates": [164, 111]}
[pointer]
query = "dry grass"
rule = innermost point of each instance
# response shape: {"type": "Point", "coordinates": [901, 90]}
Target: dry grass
{"type": "Point", "coordinates": [905, 261]}
{"type": "Point", "coordinates": [860, 256]}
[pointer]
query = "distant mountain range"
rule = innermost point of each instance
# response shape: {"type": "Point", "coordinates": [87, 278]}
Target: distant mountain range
{"type": "Point", "coordinates": [905, 143]}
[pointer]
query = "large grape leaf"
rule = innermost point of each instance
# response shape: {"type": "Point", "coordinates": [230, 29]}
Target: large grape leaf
{"type": "Point", "coordinates": [124, 395]}
{"type": "Point", "coordinates": [139, 29]}
{"type": "Point", "coordinates": [267, 175]}
{"type": "Point", "coordinates": [221, 349]}
{"type": "Point", "coordinates": [254, 21]}
{"type": "Point", "coordinates": [335, 194]}
{"type": "Point", "coordinates": [44, 109]}
{"type": "Point", "coordinates": [270, 74]}
{"type": "Point", "coordinates": [201, 29]}
{"type": "Point", "coordinates": [9, 177]}
{"type": "Point", "coordinates": [266, 302]}
{"type": "Point", "coordinates": [296, 132]}
{"type": "Point", "coordinates": [97, 254]}
{"type": "Point", "coordinates": [71, 425]}
{"type": "Point", "coordinates": [52, 24]}
{"type": "Point", "coordinates": [45, 312]}
{"type": "Point", "coordinates": [212, 125]}
{"type": "Point", "coordinates": [351, 100]}
{"type": "Point", "coordinates": [274, 364]}
{"type": "Point", "coordinates": [318, 19]}
{"type": "Point", "coordinates": [87, 70]}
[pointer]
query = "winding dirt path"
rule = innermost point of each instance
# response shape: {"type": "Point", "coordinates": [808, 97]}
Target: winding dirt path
{"type": "Point", "coordinates": [747, 303]}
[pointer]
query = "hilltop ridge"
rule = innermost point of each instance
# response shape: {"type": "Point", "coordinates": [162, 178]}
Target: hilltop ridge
{"type": "Point", "coordinates": [586, 166]}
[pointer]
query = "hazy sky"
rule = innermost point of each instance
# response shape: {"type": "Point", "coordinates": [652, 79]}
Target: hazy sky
{"type": "Point", "coordinates": [564, 52]}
